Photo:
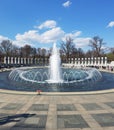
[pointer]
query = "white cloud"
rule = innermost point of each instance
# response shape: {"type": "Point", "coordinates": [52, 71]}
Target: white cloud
{"type": "Point", "coordinates": [67, 4]}
{"type": "Point", "coordinates": [82, 42]}
{"type": "Point", "coordinates": [111, 24]}
{"type": "Point", "coordinates": [77, 33]}
{"type": "Point", "coordinates": [3, 38]}
{"type": "Point", "coordinates": [41, 37]}
{"type": "Point", "coordinates": [33, 37]}
{"type": "Point", "coordinates": [31, 34]}
{"type": "Point", "coordinates": [29, 37]}
{"type": "Point", "coordinates": [52, 35]}
{"type": "Point", "coordinates": [74, 34]}
{"type": "Point", "coordinates": [48, 24]}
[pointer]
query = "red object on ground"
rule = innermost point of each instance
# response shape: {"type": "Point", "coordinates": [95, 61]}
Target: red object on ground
{"type": "Point", "coordinates": [39, 91]}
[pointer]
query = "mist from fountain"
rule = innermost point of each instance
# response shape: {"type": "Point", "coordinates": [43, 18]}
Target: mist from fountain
{"type": "Point", "coordinates": [55, 71]}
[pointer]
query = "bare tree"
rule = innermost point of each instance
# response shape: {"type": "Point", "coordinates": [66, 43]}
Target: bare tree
{"type": "Point", "coordinates": [74, 52]}
{"type": "Point", "coordinates": [43, 52]}
{"type": "Point", "coordinates": [6, 47]}
{"type": "Point", "coordinates": [112, 50]}
{"type": "Point", "coordinates": [39, 52]}
{"type": "Point", "coordinates": [96, 44]}
{"type": "Point", "coordinates": [80, 53]}
{"type": "Point", "coordinates": [89, 53]}
{"type": "Point", "coordinates": [15, 51]}
{"type": "Point", "coordinates": [26, 51]}
{"type": "Point", "coordinates": [67, 47]}
{"type": "Point", "coordinates": [33, 52]}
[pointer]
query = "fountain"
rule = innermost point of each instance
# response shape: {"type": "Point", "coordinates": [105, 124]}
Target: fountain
{"type": "Point", "coordinates": [55, 66]}
{"type": "Point", "coordinates": [55, 78]}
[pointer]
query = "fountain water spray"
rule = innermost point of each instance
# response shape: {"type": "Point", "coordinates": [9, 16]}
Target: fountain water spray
{"type": "Point", "coordinates": [55, 66]}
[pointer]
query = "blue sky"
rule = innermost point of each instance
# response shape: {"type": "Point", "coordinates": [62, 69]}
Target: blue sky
{"type": "Point", "coordinates": [43, 22]}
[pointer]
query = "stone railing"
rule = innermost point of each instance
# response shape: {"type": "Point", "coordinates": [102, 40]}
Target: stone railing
{"type": "Point", "coordinates": [93, 61]}
{"type": "Point", "coordinates": [19, 61]}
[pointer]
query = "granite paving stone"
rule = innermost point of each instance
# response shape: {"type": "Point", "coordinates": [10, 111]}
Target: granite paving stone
{"type": "Point", "coordinates": [66, 107]}
{"type": "Point", "coordinates": [104, 119]}
{"type": "Point", "coordinates": [110, 104]}
{"type": "Point", "coordinates": [39, 107]}
{"type": "Point", "coordinates": [56, 112]}
{"type": "Point", "coordinates": [71, 121]}
{"type": "Point", "coordinates": [33, 122]}
{"type": "Point", "coordinates": [13, 106]}
{"type": "Point", "coordinates": [92, 106]}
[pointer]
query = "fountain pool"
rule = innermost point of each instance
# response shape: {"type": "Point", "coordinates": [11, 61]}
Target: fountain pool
{"type": "Point", "coordinates": [54, 78]}
{"type": "Point", "coordinates": [73, 85]}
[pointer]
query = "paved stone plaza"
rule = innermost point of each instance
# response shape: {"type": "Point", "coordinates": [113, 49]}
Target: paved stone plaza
{"type": "Point", "coordinates": [56, 112]}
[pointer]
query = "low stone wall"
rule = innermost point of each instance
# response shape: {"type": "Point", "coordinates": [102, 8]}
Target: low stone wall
{"type": "Point", "coordinates": [100, 62]}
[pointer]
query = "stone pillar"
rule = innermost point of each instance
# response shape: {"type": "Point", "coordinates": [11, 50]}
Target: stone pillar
{"type": "Point", "coordinates": [82, 59]}
{"type": "Point", "coordinates": [72, 61]}
{"type": "Point", "coordinates": [92, 61]}
{"type": "Point", "coordinates": [15, 60]}
{"type": "Point", "coordinates": [101, 60]}
{"type": "Point", "coordinates": [21, 60]}
{"type": "Point", "coordinates": [18, 60]}
{"type": "Point", "coordinates": [85, 61]}
{"type": "Point", "coordinates": [105, 61]}
{"type": "Point", "coordinates": [35, 61]}
{"type": "Point", "coordinates": [11, 60]}
{"type": "Point", "coordinates": [78, 61]}
{"type": "Point", "coordinates": [24, 60]}
{"type": "Point", "coordinates": [88, 61]}
{"type": "Point", "coordinates": [28, 61]}
{"type": "Point", "coordinates": [31, 60]}
{"type": "Point", "coordinates": [99, 63]}
{"type": "Point", "coordinates": [95, 61]}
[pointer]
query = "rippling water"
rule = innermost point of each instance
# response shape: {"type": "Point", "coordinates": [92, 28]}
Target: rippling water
{"type": "Point", "coordinates": [107, 82]}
